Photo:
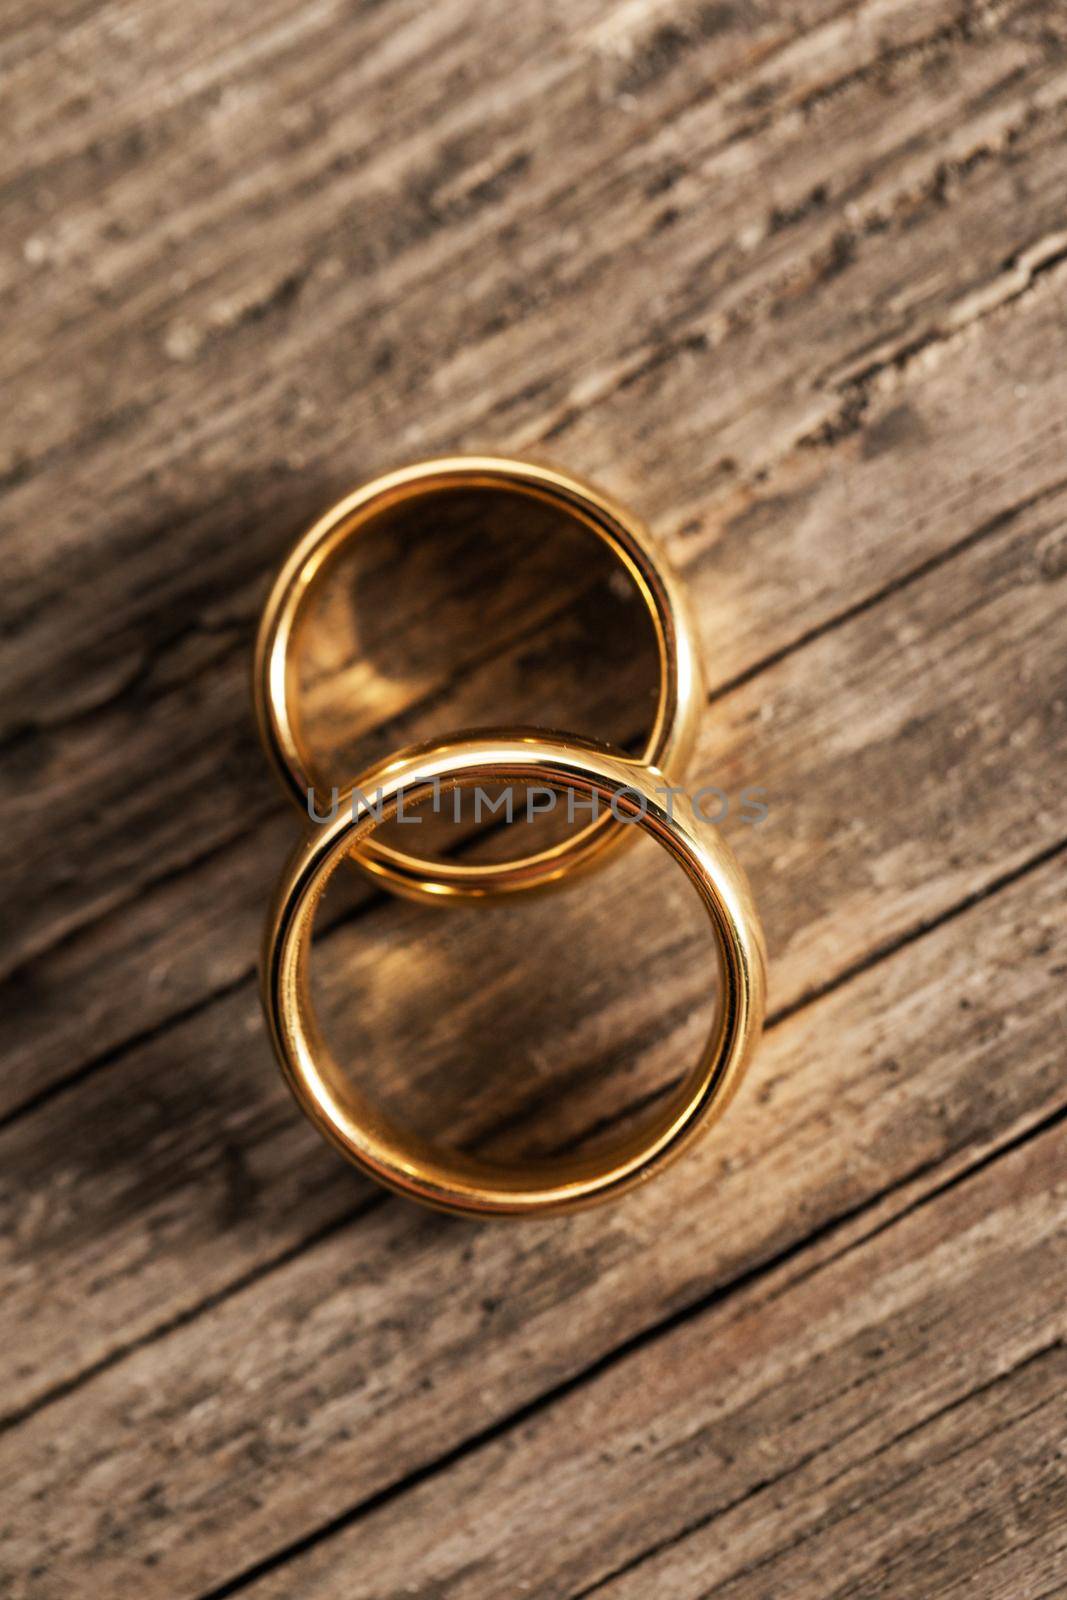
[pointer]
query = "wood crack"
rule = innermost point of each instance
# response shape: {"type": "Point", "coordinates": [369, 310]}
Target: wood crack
{"type": "Point", "coordinates": [970, 541]}
{"type": "Point", "coordinates": [1020, 275]}
{"type": "Point", "coordinates": [706, 332]}
{"type": "Point", "coordinates": [1034, 1358]}
{"type": "Point", "coordinates": [629, 1347]}
{"type": "Point", "coordinates": [122, 1352]}
{"type": "Point", "coordinates": [968, 27]}
{"type": "Point", "coordinates": [825, 1231]}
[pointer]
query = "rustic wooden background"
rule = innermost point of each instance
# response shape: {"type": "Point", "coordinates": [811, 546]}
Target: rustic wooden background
{"type": "Point", "coordinates": [789, 277]}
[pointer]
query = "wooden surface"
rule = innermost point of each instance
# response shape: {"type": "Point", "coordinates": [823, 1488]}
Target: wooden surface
{"type": "Point", "coordinates": [791, 279]}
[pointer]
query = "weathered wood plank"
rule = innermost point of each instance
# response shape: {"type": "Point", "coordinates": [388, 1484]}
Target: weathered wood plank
{"type": "Point", "coordinates": [264, 251]}
{"type": "Point", "coordinates": [152, 799]}
{"type": "Point", "coordinates": [875, 1425]}
{"type": "Point", "coordinates": [155, 635]}
{"type": "Point", "coordinates": [973, 1502]}
{"type": "Point", "coordinates": [931, 771]}
{"type": "Point", "coordinates": [386, 1345]}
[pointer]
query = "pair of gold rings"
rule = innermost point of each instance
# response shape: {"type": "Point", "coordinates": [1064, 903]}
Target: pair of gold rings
{"type": "Point", "coordinates": [633, 789]}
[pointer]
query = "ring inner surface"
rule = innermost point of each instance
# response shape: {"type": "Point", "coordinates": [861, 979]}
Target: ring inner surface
{"type": "Point", "coordinates": [607, 669]}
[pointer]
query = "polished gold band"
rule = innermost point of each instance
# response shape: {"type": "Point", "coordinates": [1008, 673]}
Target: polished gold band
{"type": "Point", "coordinates": [275, 684]}
{"type": "Point", "coordinates": [448, 1179]}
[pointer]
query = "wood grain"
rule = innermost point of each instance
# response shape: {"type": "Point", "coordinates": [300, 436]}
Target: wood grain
{"type": "Point", "coordinates": [875, 828]}
{"type": "Point", "coordinates": [153, 796]}
{"type": "Point", "coordinates": [756, 1428]}
{"type": "Point", "coordinates": [790, 280]}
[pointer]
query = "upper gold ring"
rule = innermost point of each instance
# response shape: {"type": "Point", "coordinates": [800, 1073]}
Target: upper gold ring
{"type": "Point", "coordinates": [275, 681]}
{"type": "Point", "coordinates": [449, 1179]}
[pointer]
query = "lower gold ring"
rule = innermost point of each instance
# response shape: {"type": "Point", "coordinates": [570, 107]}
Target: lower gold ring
{"type": "Point", "coordinates": [448, 1179]}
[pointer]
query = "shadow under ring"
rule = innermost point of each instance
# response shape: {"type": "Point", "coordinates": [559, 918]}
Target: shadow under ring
{"type": "Point", "coordinates": [451, 1180]}
{"type": "Point", "coordinates": [275, 678]}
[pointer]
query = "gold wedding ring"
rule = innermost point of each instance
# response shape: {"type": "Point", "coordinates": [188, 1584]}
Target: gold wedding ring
{"type": "Point", "coordinates": [449, 1179]}
{"type": "Point", "coordinates": [637, 796]}
{"type": "Point", "coordinates": [276, 678]}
